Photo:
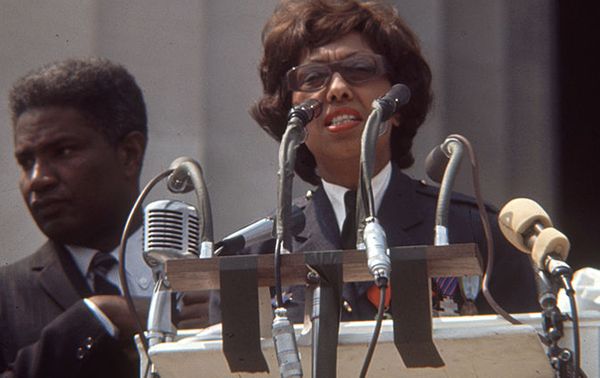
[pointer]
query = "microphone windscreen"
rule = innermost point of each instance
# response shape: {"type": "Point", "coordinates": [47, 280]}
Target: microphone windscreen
{"type": "Point", "coordinates": [519, 215]}
{"type": "Point", "coordinates": [435, 164]}
{"type": "Point", "coordinates": [549, 241]}
{"type": "Point", "coordinates": [391, 102]}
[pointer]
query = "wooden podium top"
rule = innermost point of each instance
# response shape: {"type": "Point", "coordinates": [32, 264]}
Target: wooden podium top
{"type": "Point", "coordinates": [204, 274]}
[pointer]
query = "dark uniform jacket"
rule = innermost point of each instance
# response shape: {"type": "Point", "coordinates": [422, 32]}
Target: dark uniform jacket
{"type": "Point", "coordinates": [407, 215]}
{"type": "Point", "coordinates": [45, 328]}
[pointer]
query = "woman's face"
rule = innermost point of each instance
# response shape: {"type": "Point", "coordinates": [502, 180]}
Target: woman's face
{"type": "Point", "coordinates": [334, 137]}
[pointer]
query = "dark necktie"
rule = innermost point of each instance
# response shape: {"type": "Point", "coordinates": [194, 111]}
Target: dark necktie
{"type": "Point", "coordinates": [349, 227]}
{"type": "Point", "coordinates": [99, 267]}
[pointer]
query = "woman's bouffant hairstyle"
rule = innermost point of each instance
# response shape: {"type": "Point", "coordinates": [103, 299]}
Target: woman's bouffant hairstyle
{"type": "Point", "coordinates": [100, 89]}
{"type": "Point", "coordinates": [300, 25]}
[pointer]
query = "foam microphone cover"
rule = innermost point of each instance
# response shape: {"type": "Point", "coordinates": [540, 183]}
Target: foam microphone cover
{"type": "Point", "coordinates": [435, 164]}
{"type": "Point", "coordinates": [550, 241]}
{"type": "Point", "coordinates": [519, 215]}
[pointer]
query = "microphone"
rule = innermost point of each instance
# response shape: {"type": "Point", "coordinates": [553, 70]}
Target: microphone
{"type": "Point", "coordinates": [372, 235]}
{"type": "Point", "coordinates": [295, 133]}
{"type": "Point", "coordinates": [391, 102]}
{"type": "Point", "coordinates": [437, 160]}
{"type": "Point", "coordinates": [284, 340]}
{"type": "Point", "coordinates": [258, 232]}
{"type": "Point", "coordinates": [302, 114]}
{"type": "Point", "coordinates": [442, 165]}
{"type": "Point", "coordinates": [528, 227]}
{"type": "Point", "coordinates": [171, 231]}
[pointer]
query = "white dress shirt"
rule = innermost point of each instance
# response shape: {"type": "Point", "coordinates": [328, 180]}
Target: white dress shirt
{"type": "Point", "coordinates": [139, 275]}
{"type": "Point", "coordinates": [336, 193]}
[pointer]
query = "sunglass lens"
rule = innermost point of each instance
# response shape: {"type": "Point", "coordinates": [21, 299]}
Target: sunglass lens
{"type": "Point", "coordinates": [358, 69]}
{"type": "Point", "coordinates": [312, 77]}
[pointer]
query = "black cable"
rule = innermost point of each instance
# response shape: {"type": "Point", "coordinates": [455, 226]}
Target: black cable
{"type": "Point", "coordinates": [486, 230]}
{"type": "Point", "coordinates": [376, 331]}
{"type": "Point", "coordinates": [576, 339]}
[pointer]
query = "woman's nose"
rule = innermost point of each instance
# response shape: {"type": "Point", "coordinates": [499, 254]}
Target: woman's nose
{"type": "Point", "coordinates": [338, 89]}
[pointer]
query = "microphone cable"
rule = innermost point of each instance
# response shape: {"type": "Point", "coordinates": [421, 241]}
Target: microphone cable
{"type": "Point", "coordinates": [576, 339]}
{"type": "Point", "coordinates": [487, 230]}
{"type": "Point", "coordinates": [122, 250]}
{"type": "Point", "coordinates": [376, 332]}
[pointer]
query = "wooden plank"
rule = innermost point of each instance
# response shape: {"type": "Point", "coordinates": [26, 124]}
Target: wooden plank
{"type": "Point", "coordinates": [203, 274]}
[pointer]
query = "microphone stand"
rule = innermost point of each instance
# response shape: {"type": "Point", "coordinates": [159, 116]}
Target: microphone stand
{"type": "Point", "coordinates": [562, 360]}
{"type": "Point", "coordinates": [371, 235]}
{"type": "Point", "coordinates": [284, 337]}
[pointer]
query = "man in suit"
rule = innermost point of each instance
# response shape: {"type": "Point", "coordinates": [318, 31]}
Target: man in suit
{"type": "Point", "coordinates": [346, 54]}
{"type": "Point", "coordinates": [79, 135]}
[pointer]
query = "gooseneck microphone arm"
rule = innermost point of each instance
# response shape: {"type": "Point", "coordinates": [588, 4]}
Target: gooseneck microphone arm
{"type": "Point", "coordinates": [283, 330]}
{"type": "Point", "coordinates": [373, 235]}
{"type": "Point", "coordinates": [186, 176]}
{"type": "Point", "coordinates": [370, 232]}
{"type": "Point", "coordinates": [452, 149]}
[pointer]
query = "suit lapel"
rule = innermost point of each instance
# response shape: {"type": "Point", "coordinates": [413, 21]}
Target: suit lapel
{"type": "Point", "coordinates": [321, 232]}
{"type": "Point", "coordinates": [399, 210]}
{"type": "Point", "coordinates": [59, 277]}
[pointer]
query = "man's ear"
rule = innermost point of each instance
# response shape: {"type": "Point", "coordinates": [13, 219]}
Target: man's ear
{"type": "Point", "coordinates": [131, 153]}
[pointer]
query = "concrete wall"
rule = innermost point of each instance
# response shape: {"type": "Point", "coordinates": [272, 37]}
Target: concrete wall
{"type": "Point", "coordinates": [196, 63]}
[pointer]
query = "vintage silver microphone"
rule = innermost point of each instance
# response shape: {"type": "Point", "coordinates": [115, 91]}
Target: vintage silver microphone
{"type": "Point", "coordinates": [171, 231]}
{"type": "Point", "coordinates": [174, 230]}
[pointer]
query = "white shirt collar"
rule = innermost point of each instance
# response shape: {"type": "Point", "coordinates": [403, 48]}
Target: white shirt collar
{"type": "Point", "coordinates": [335, 193]}
{"type": "Point", "coordinates": [139, 275]}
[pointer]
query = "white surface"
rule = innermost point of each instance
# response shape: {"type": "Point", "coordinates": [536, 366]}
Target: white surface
{"type": "Point", "coordinates": [586, 282]}
{"type": "Point", "coordinates": [478, 346]}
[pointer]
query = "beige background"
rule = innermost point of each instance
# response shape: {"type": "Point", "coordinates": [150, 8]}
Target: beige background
{"type": "Point", "coordinates": [196, 63]}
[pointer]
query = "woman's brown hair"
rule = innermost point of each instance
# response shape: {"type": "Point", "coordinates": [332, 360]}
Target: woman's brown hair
{"type": "Point", "coordinates": [300, 25]}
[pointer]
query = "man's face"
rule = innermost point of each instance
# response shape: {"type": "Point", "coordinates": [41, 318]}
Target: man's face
{"type": "Point", "coordinates": [72, 179]}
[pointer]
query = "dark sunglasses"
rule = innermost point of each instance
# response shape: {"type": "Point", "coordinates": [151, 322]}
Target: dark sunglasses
{"type": "Point", "coordinates": [356, 69]}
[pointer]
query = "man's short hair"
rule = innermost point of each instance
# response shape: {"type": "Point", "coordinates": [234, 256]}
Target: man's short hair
{"type": "Point", "coordinates": [98, 88]}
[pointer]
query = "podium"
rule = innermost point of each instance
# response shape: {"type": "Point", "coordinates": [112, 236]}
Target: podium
{"type": "Point", "coordinates": [471, 346]}
{"type": "Point", "coordinates": [411, 342]}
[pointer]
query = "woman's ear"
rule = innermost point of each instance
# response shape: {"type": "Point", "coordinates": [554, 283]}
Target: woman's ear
{"type": "Point", "coordinates": [395, 120]}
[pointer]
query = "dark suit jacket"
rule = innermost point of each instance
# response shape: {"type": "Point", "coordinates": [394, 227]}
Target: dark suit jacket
{"type": "Point", "coordinates": [407, 215]}
{"type": "Point", "coordinates": [45, 328]}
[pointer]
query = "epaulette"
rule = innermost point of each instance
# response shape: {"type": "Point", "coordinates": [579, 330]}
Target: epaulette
{"type": "Point", "coordinates": [429, 190]}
